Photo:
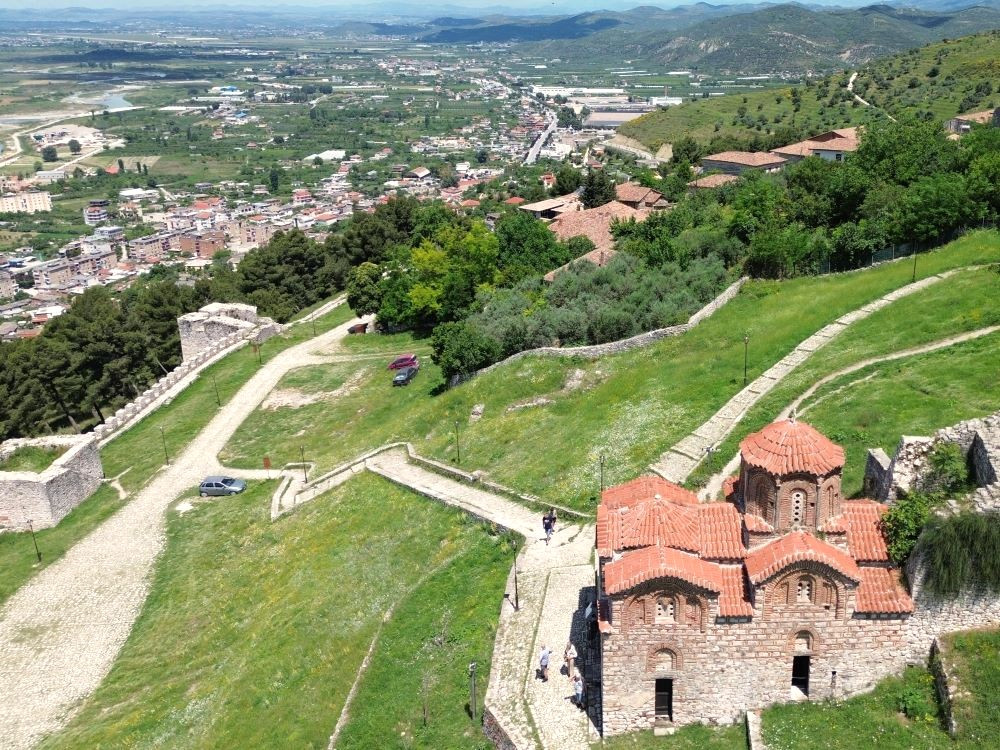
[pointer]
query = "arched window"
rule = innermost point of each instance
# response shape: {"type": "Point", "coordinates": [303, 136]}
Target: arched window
{"type": "Point", "coordinates": [692, 611]}
{"type": "Point", "coordinates": [665, 660]}
{"type": "Point", "coordinates": [803, 641]}
{"type": "Point", "coordinates": [761, 497]}
{"type": "Point", "coordinates": [666, 611]}
{"type": "Point", "coordinates": [804, 590]}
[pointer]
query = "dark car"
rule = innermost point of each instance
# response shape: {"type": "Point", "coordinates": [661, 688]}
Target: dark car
{"type": "Point", "coordinates": [404, 376]}
{"type": "Point", "coordinates": [221, 486]}
{"type": "Point", "coordinates": [358, 328]}
{"type": "Point", "coordinates": [404, 361]}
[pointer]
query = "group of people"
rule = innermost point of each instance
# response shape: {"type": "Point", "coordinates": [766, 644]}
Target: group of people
{"type": "Point", "coordinates": [569, 660]}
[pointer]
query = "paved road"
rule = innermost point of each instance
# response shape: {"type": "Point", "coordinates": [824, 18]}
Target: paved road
{"type": "Point", "coordinates": [61, 632]}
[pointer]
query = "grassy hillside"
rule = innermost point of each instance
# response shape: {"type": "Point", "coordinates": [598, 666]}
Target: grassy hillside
{"type": "Point", "coordinates": [630, 407]}
{"type": "Point", "coordinates": [940, 79]}
{"type": "Point", "coordinates": [254, 631]}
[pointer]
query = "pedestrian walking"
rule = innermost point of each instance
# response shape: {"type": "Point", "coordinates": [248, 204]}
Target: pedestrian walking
{"type": "Point", "coordinates": [578, 689]}
{"type": "Point", "coordinates": [547, 528]}
{"type": "Point", "coordinates": [543, 663]}
{"type": "Point", "coordinates": [569, 656]}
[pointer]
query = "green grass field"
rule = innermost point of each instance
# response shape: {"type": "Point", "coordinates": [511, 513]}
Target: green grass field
{"type": "Point", "coordinates": [976, 656]}
{"type": "Point", "coordinates": [693, 737]}
{"type": "Point", "coordinates": [962, 303]}
{"type": "Point", "coordinates": [631, 407]}
{"type": "Point", "coordinates": [253, 631]}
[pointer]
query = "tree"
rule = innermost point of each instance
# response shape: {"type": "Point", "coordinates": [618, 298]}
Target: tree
{"type": "Point", "coordinates": [363, 294]}
{"type": "Point", "coordinates": [568, 179]}
{"type": "Point", "coordinates": [74, 146]}
{"type": "Point", "coordinates": [460, 349]}
{"type": "Point", "coordinates": [598, 189]}
{"type": "Point", "coordinates": [526, 246]}
{"type": "Point", "coordinates": [49, 153]}
{"type": "Point", "coordinates": [121, 166]}
{"type": "Point", "coordinates": [936, 205]}
{"type": "Point", "coordinates": [274, 179]}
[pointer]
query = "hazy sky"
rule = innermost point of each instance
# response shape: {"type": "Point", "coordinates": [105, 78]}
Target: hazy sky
{"type": "Point", "coordinates": [394, 7]}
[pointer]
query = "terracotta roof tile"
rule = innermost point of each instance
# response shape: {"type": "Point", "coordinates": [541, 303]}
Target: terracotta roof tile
{"type": "Point", "coordinates": [790, 446]}
{"type": "Point", "coordinates": [797, 546]}
{"type": "Point", "coordinates": [746, 158]}
{"type": "Point", "coordinates": [713, 181]}
{"type": "Point", "coordinates": [734, 601]}
{"type": "Point", "coordinates": [756, 525]}
{"type": "Point", "coordinates": [730, 486]}
{"type": "Point", "coordinates": [881, 591]}
{"type": "Point", "coordinates": [647, 564]}
{"type": "Point", "coordinates": [719, 527]}
{"type": "Point", "coordinates": [660, 522]}
{"type": "Point", "coordinates": [594, 223]}
{"type": "Point", "coordinates": [633, 192]}
{"type": "Point", "coordinates": [646, 488]}
{"type": "Point", "coordinates": [864, 530]}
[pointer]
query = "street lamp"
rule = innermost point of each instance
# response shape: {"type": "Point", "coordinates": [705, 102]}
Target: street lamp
{"type": "Point", "coordinates": [602, 473]}
{"type": "Point", "coordinates": [709, 450]}
{"type": "Point", "coordinates": [517, 599]}
{"type": "Point", "coordinates": [746, 345]}
{"type": "Point", "coordinates": [472, 688]}
{"type": "Point", "coordinates": [914, 266]}
{"type": "Point", "coordinates": [218, 400]}
{"type": "Point", "coordinates": [458, 445]}
{"type": "Point", "coordinates": [34, 541]}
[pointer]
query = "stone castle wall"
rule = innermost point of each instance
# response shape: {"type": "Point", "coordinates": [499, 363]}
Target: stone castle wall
{"type": "Point", "coordinates": [623, 345]}
{"type": "Point", "coordinates": [46, 497]}
{"type": "Point", "coordinates": [202, 330]}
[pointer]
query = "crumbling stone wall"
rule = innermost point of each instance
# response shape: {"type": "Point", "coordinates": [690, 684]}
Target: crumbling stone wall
{"type": "Point", "coordinates": [46, 497]}
{"type": "Point", "coordinates": [204, 329]}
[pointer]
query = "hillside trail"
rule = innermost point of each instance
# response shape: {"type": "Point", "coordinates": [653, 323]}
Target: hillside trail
{"type": "Point", "coordinates": [863, 102]}
{"type": "Point", "coordinates": [61, 632]}
{"type": "Point", "coordinates": [714, 485]}
{"type": "Point", "coordinates": [677, 463]}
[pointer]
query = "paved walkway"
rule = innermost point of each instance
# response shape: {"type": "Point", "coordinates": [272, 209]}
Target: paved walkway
{"type": "Point", "coordinates": [714, 485]}
{"type": "Point", "coordinates": [61, 632]}
{"type": "Point", "coordinates": [680, 460]}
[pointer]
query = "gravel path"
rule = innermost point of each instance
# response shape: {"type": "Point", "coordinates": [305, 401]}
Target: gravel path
{"type": "Point", "coordinates": [61, 632]}
{"type": "Point", "coordinates": [680, 460]}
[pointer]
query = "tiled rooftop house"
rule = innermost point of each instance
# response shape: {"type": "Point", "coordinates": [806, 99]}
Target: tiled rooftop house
{"type": "Point", "coordinates": [738, 162]}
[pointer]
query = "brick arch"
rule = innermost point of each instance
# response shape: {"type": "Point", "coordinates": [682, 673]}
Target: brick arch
{"type": "Point", "coordinates": [656, 655]}
{"type": "Point", "coordinates": [796, 636]}
{"type": "Point", "coordinates": [760, 496]}
{"type": "Point", "coordinates": [804, 516]}
{"type": "Point", "coordinates": [828, 592]}
{"type": "Point", "coordinates": [830, 498]}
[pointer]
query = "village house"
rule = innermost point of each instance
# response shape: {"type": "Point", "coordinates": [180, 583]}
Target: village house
{"type": "Point", "coordinates": [738, 162]}
{"type": "Point", "coordinates": [639, 197]}
{"type": "Point", "coordinates": [27, 202]}
{"type": "Point", "coordinates": [712, 181]}
{"type": "Point", "coordinates": [8, 285]}
{"type": "Point", "coordinates": [962, 124]}
{"type": "Point", "coordinates": [833, 145]}
{"type": "Point", "coordinates": [595, 225]}
{"type": "Point", "coordinates": [551, 208]}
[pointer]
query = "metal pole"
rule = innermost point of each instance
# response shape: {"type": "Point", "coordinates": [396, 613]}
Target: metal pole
{"type": "Point", "coordinates": [517, 599]}
{"type": "Point", "coordinates": [34, 541]}
{"type": "Point", "coordinates": [163, 438]}
{"type": "Point", "coordinates": [914, 265]}
{"type": "Point", "coordinates": [746, 345]}
{"type": "Point", "coordinates": [314, 325]}
{"type": "Point", "coordinates": [458, 445]}
{"type": "Point", "coordinates": [602, 473]}
{"type": "Point", "coordinates": [472, 688]}
{"type": "Point", "coordinates": [218, 400]}
{"type": "Point", "coordinates": [302, 454]}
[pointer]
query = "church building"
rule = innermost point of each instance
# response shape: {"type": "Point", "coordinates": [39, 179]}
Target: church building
{"type": "Point", "coordinates": [784, 591]}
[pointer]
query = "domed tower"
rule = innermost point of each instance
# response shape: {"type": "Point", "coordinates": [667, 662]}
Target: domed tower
{"type": "Point", "coordinates": [790, 476]}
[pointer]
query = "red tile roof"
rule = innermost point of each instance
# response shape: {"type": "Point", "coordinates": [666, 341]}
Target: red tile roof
{"type": "Point", "coordinates": [713, 181]}
{"type": "Point", "coordinates": [633, 192]}
{"type": "Point", "coordinates": [789, 446]}
{"type": "Point", "coordinates": [515, 200]}
{"type": "Point", "coordinates": [660, 522]}
{"type": "Point", "coordinates": [730, 485]}
{"type": "Point", "coordinates": [734, 601]}
{"type": "Point", "coordinates": [756, 525]}
{"type": "Point", "coordinates": [719, 531]}
{"type": "Point", "coordinates": [650, 563]}
{"type": "Point", "coordinates": [646, 488]}
{"type": "Point", "coordinates": [865, 539]}
{"type": "Point", "coordinates": [794, 547]}
{"type": "Point", "coordinates": [746, 158]}
{"type": "Point", "coordinates": [881, 591]}
{"type": "Point", "coordinates": [594, 223]}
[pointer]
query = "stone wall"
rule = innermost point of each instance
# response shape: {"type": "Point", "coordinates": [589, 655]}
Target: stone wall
{"type": "Point", "coordinates": [635, 342]}
{"type": "Point", "coordinates": [202, 330]}
{"type": "Point", "coordinates": [727, 667]}
{"type": "Point", "coordinates": [945, 682]}
{"type": "Point", "coordinates": [46, 497]}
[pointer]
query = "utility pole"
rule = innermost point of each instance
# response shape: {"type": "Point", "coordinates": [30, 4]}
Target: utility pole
{"type": "Point", "coordinates": [517, 599]}
{"type": "Point", "coordinates": [218, 400]}
{"type": "Point", "coordinates": [746, 345]}
{"type": "Point", "coordinates": [602, 473]}
{"type": "Point", "coordinates": [914, 266]}
{"type": "Point", "coordinates": [163, 439]}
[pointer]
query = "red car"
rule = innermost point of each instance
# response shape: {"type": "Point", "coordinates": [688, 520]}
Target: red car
{"type": "Point", "coordinates": [406, 360]}
{"type": "Point", "coordinates": [358, 328]}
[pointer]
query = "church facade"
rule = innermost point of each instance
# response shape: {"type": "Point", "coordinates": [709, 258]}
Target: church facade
{"type": "Point", "coordinates": [784, 591]}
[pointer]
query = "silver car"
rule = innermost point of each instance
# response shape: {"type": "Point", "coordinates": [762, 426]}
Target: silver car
{"type": "Point", "coordinates": [221, 486]}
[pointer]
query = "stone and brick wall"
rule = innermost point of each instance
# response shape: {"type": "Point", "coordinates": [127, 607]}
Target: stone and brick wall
{"type": "Point", "coordinates": [202, 330]}
{"type": "Point", "coordinates": [727, 667]}
{"type": "Point", "coordinates": [46, 497]}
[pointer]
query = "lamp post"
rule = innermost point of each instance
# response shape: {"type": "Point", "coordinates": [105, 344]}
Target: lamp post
{"type": "Point", "coordinates": [302, 455]}
{"type": "Point", "coordinates": [218, 400]}
{"type": "Point", "coordinates": [163, 439]}
{"type": "Point", "coordinates": [472, 688]}
{"type": "Point", "coordinates": [458, 445]}
{"type": "Point", "coordinates": [746, 346]}
{"type": "Point", "coordinates": [602, 473]}
{"type": "Point", "coordinates": [517, 599]}
{"type": "Point", "coordinates": [34, 541]}
{"type": "Point", "coordinates": [709, 450]}
{"type": "Point", "coordinates": [914, 266]}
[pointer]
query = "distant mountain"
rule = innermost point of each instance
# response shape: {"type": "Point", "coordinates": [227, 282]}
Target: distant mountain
{"type": "Point", "coordinates": [784, 38]}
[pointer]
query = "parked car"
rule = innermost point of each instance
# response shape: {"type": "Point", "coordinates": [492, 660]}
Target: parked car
{"type": "Point", "coordinates": [358, 328]}
{"type": "Point", "coordinates": [221, 486]}
{"type": "Point", "coordinates": [404, 376]}
{"type": "Point", "coordinates": [404, 361]}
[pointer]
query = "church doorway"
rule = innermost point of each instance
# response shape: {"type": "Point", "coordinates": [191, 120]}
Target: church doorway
{"type": "Point", "coordinates": [665, 699]}
{"type": "Point", "coordinates": [800, 674]}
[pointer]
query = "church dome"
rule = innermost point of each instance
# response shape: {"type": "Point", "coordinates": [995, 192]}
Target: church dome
{"type": "Point", "coordinates": [791, 447]}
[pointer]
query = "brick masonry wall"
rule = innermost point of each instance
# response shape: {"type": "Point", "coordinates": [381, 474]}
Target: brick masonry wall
{"type": "Point", "coordinates": [48, 496]}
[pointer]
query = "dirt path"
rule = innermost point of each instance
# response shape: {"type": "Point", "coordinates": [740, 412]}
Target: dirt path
{"type": "Point", "coordinates": [61, 632]}
{"type": "Point", "coordinates": [714, 485]}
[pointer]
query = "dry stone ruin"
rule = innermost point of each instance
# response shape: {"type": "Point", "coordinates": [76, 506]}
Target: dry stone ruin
{"type": "Point", "coordinates": [203, 330]}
